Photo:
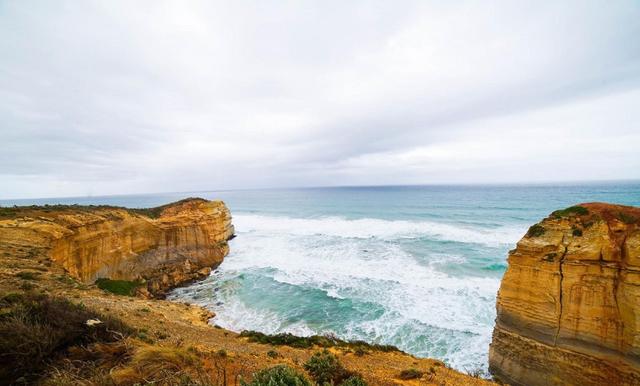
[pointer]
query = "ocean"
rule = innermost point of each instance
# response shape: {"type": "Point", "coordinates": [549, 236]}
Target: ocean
{"type": "Point", "coordinates": [417, 267]}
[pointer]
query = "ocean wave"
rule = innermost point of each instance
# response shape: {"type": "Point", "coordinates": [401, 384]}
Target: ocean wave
{"type": "Point", "coordinates": [376, 228]}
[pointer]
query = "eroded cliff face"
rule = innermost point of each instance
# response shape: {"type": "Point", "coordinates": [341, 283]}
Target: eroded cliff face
{"type": "Point", "coordinates": [569, 303]}
{"type": "Point", "coordinates": [163, 247]}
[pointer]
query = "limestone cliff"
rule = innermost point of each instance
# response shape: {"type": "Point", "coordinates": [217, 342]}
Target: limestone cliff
{"type": "Point", "coordinates": [569, 303]}
{"type": "Point", "coordinates": [162, 247]}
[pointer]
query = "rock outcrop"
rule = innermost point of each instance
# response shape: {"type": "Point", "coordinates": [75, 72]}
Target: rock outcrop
{"type": "Point", "coordinates": [568, 309]}
{"type": "Point", "coordinates": [161, 247]}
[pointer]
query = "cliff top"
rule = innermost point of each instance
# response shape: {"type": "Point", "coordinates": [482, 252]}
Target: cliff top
{"type": "Point", "coordinates": [49, 211]}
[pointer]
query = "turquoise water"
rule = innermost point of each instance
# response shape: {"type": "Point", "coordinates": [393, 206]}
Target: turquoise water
{"type": "Point", "coordinates": [416, 267]}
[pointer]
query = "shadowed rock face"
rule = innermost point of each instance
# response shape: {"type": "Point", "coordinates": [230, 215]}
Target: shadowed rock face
{"type": "Point", "coordinates": [180, 242]}
{"type": "Point", "coordinates": [568, 309]}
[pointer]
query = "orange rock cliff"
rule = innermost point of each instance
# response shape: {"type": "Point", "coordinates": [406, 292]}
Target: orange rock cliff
{"type": "Point", "coordinates": [163, 247]}
{"type": "Point", "coordinates": [568, 309]}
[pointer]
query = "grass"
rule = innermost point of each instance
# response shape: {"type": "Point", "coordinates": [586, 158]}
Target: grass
{"type": "Point", "coordinates": [118, 287]}
{"type": "Point", "coordinates": [286, 339]}
{"type": "Point", "coordinates": [535, 230]}
{"type": "Point", "coordinates": [626, 218]}
{"type": "Point", "coordinates": [576, 210]}
{"type": "Point", "coordinates": [410, 374]}
{"type": "Point", "coordinates": [25, 275]}
{"type": "Point", "coordinates": [9, 212]}
{"type": "Point", "coordinates": [35, 328]}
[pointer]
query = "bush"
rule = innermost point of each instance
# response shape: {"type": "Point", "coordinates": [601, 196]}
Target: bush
{"type": "Point", "coordinates": [535, 230]}
{"type": "Point", "coordinates": [324, 367]}
{"type": "Point", "coordinates": [355, 380]}
{"type": "Point", "coordinates": [118, 287]}
{"type": "Point", "coordinates": [280, 375]}
{"type": "Point", "coordinates": [570, 211]}
{"type": "Point", "coordinates": [28, 275]}
{"type": "Point", "coordinates": [272, 354]}
{"type": "Point", "coordinates": [34, 328]}
{"type": "Point", "coordinates": [286, 339]}
{"type": "Point", "coordinates": [576, 232]}
{"type": "Point", "coordinates": [626, 218]}
{"type": "Point", "coordinates": [410, 374]}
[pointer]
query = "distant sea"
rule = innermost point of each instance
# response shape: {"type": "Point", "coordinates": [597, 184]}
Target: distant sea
{"type": "Point", "coordinates": [417, 267]}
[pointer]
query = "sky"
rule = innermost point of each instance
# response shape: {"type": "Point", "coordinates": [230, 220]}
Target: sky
{"type": "Point", "coordinates": [123, 97]}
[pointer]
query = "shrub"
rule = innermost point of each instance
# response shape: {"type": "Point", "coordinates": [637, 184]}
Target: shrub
{"type": "Point", "coordinates": [34, 328]}
{"type": "Point", "coordinates": [535, 230]}
{"type": "Point", "coordinates": [286, 339]}
{"type": "Point", "coordinates": [626, 218]}
{"type": "Point", "coordinates": [410, 374]}
{"type": "Point", "coordinates": [570, 211]}
{"type": "Point", "coordinates": [324, 367]}
{"type": "Point", "coordinates": [577, 232]}
{"type": "Point", "coordinates": [355, 380]}
{"type": "Point", "coordinates": [280, 375]}
{"type": "Point", "coordinates": [28, 275]}
{"type": "Point", "coordinates": [118, 287]}
{"type": "Point", "coordinates": [272, 354]}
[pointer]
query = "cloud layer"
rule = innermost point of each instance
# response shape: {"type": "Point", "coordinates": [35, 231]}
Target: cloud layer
{"type": "Point", "coordinates": [111, 97]}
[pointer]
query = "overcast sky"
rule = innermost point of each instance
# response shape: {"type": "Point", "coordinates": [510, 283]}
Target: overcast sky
{"type": "Point", "coordinates": [115, 97]}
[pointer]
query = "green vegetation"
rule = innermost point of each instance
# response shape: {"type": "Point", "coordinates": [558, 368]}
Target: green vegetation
{"type": "Point", "coordinates": [157, 211]}
{"type": "Point", "coordinates": [355, 380]}
{"type": "Point", "coordinates": [576, 232]}
{"type": "Point", "coordinates": [325, 368]}
{"type": "Point", "coordinates": [34, 328]}
{"type": "Point", "coordinates": [286, 339]}
{"type": "Point", "coordinates": [626, 218]}
{"type": "Point", "coordinates": [576, 210]}
{"type": "Point", "coordinates": [280, 375]}
{"type": "Point", "coordinates": [535, 230]}
{"type": "Point", "coordinates": [118, 287]}
{"type": "Point", "coordinates": [28, 275]}
{"type": "Point", "coordinates": [273, 354]}
{"type": "Point", "coordinates": [8, 212]}
{"type": "Point", "coordinates": [410, 374]}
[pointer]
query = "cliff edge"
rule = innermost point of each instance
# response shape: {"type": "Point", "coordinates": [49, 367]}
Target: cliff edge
{"type": "Point", "coordinates": [568, 308]}
{"type": "Point", "coordinates": [161, 247]}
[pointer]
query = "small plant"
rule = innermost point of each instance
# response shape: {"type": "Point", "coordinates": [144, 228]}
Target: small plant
{"type": "Point", "coordinates": [118, 287]}
{"type": "Point", "coordinates": [222, 353]}
{"type": "Point", "coordinates": [359, 351]}
{"type": "Point", "coordinates": [626, 218]}
{"type": "Point", "coordinates": [28, 275]}
{"type": "Point", "coordinates": [410, 374]}
{"type": "Point", "coordinates": [535, 230]}
{"type": "Point", "coordinates": [273, 354]}
{"type": "Point", "coordinates": [355, 380]}
{"type": "Point", "coordinates": [576, 232]}
{"type": "Point", "coordinates": [280, 375]}
{"type": "Point", "coordinates": [324, 367]}
{"type": "Point", "coordinates": [576, 210]}
{"type": "Point", "coordinates": [145, 309]}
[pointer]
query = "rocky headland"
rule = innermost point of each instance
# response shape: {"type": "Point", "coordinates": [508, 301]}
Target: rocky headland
{"type": "Point", "coordinates": [81, 291]}
{"type": "Point", "coordinates": [568, 308]}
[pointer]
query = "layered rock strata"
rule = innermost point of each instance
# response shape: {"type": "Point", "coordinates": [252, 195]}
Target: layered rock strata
{"type": "Point", "coordinates": [161, 247]}
{"type": "Point", "coordinates": [568, 309]}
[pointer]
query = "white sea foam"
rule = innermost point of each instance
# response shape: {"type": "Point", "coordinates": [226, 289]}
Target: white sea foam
{"type": "Point", "coordinates": [426, 311]}
{"type": "Point", "coordinates": [372, 227]}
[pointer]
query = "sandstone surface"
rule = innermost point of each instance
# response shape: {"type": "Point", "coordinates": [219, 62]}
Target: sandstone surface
{"type": "Point", "coordinates": [568, 308]}
{"type": "Point", "coordinates": [161, 247]}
